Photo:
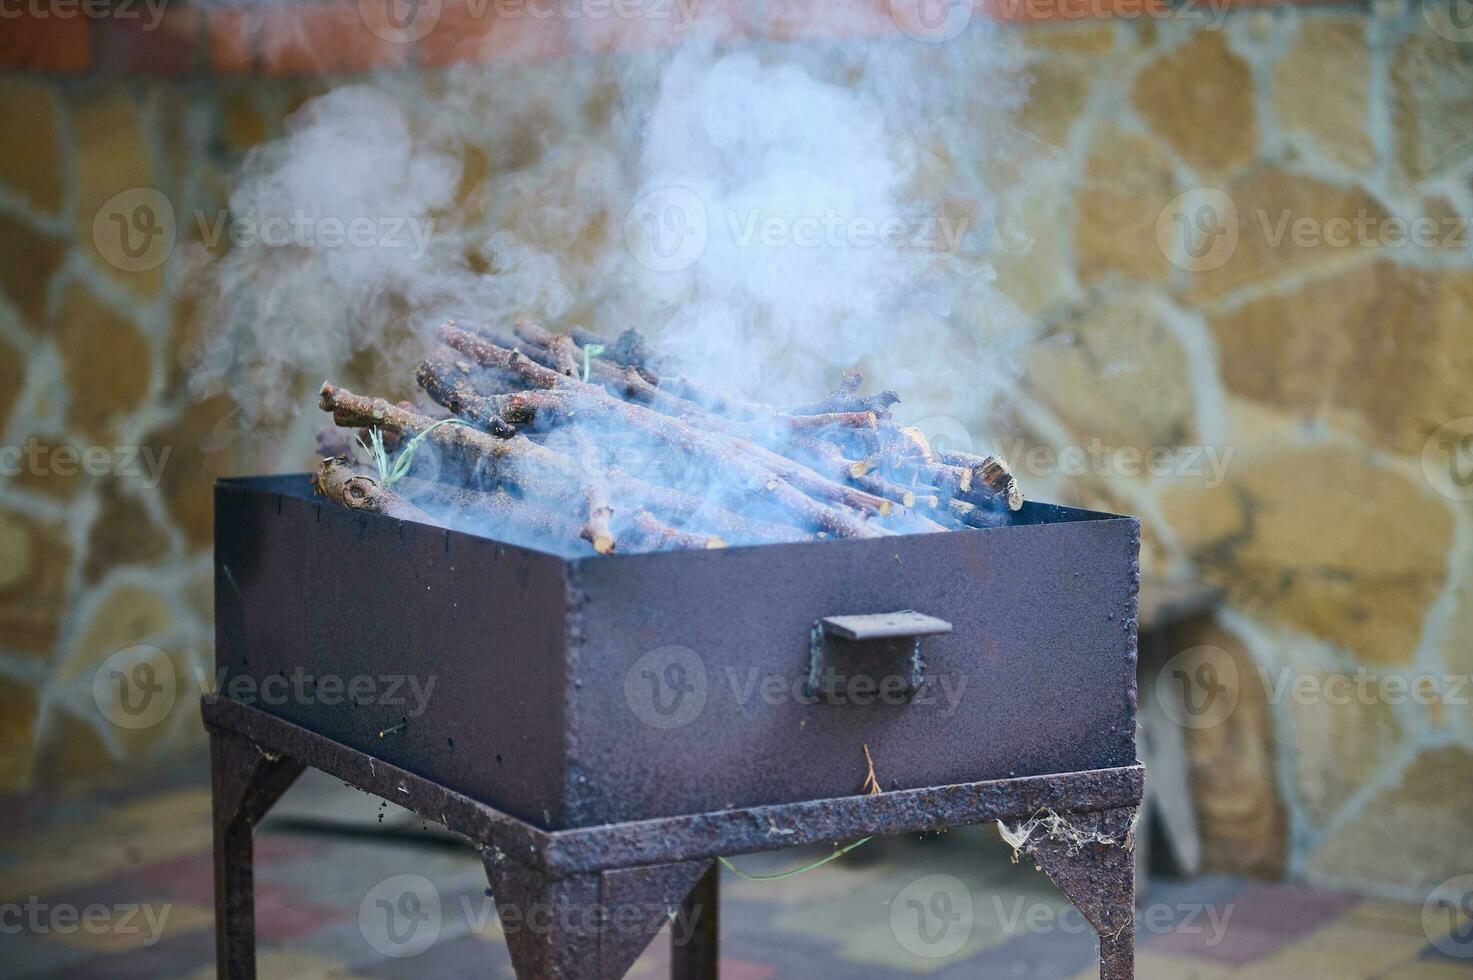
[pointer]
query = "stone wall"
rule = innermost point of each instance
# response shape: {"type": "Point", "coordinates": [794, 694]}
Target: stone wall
{"type": "Point", "coordinates": [1305, 332]}
{"type": "Point", "coordinates": [1248, 260]}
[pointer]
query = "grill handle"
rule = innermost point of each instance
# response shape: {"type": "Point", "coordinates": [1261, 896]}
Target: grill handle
{"type": "Point", "coordinates": [873, 658]}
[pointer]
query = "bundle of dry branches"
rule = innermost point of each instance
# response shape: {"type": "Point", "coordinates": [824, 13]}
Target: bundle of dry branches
{"type": "Point", "coordinates": [538, 428]}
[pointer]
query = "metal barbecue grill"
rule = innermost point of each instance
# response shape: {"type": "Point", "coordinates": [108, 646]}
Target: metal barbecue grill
{"type": "Point", "coordinates": [604, 727]}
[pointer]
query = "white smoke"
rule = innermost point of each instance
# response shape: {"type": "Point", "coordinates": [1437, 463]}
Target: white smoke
{"type": "Point", "coordinates": [838, 190]}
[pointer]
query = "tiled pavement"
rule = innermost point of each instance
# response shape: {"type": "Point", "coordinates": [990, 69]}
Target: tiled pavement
{"type": "Point", "coordinates": [117, 885]}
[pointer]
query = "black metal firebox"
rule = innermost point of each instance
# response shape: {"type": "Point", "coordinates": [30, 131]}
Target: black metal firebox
{"type": "Point", "coordinates": [646, 713]}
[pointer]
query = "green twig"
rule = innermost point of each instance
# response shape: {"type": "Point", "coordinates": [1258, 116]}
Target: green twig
{"type": "Point", "coordinates": [590, 351]}
{"type": "Point", "coordinates": [796, 871]}
{"type": "Point", "coordinates": [391, 471]}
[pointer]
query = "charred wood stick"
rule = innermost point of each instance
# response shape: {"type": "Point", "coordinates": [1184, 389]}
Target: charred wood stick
{"type": "Point", "coordinates": [597, 512]}
{"type": "Point", "coordinates": [512, 511]}
{"type": "Point", "coordinates": [631, 351]}
{"type": "Point", "coordinates": [595, 528]}
{"type": "Point", "coordinates": [497, 505]}
{"type": "Point", "coordinates": [481, 347]}
{"type": "Point", "coordinates": [882, 487]}
{"type": "Point", "coordinates": [878, 403]}
{"type": "Point", "coordinates": [677, 432]}
{"type": "Point", "coordinates": [337, 479]}
{"type": "Point", "coordinates": [659, 536]}
{"type": "Point", "coordinates": [352, 410]}
{"type": "Point", "coordinates": [628, 349]}
{"type": "Point", "coordinates": [827, 457]}
{"type": "Point", "coordinates": [846, 398]}
{"type": "Point", "coordinates": [990, 474]}
{"type": "Point", "coordinates": [973, 516]}
{"type": "Point", "coordinates": [914, 522]}
{"type": "Point", "coordinates": [452, 388]}
{"type": "Point", "coordinates": [951, 481]}
{"type": "Point", "coordinates": [560, 347]}
{"type": "Point", "coordinates": [662, 374]}
{"type": "Point", "coordinates": [830, 420]}
{"type": "Point", "coordinates": [683, 507]}
{"type": "Point", "coordinates": [815, 484]}
{"type": "Point", "coordinates": [755, 476]}
{"type": "Point", "coordinates": [540, 471]}
{"type": "Point", "coordinates": [629, 384]}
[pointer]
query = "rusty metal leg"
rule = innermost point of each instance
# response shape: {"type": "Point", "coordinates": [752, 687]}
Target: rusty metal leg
{"type": "Point", "coordinates": [1117, 956]}
{"type": "Point", "coordinates": [695, 940]}
{"type": "Point", "coordinates": [587, 926]}
{"type": "Point", "coordinates": [244, 782]}
{"type": "Point", "coordinates": [1099, 878]}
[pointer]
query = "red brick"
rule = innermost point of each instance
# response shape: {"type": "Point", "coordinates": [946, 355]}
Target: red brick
{"type": "Point", "coordinates": [804, 20]}
{"type": "Point", "coordinates": [1058, 11]}
{"type": "Point", "coordinates": [233, 37]}
{"type": "Point", "coordinates": [493, 31]}
{"type": "Point", "coordinates": [46, 43]}
{"type": "Point", "coordinates": [310, 39]}
{"type": "Point", "coordinates": [662, 25]}
{"type": "Point", "coordinates": [134, 45]}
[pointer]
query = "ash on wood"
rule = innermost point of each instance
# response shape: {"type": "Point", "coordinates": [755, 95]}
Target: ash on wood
{"type": "Point", "coordinates": [582, 445]}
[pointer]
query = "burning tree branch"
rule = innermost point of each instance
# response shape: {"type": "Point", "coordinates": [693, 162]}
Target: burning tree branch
{"type": "Point", "coordinates": [541, 423]}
